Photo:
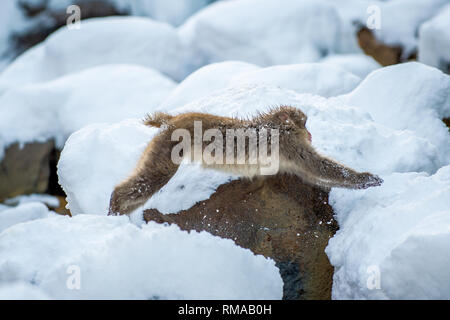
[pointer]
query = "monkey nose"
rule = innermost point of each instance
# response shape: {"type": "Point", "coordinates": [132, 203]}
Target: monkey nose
{"type": "Point", "coordinates": [309, 136]}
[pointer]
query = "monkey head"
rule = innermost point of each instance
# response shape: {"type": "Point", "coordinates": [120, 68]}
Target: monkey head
{"type": "Point", "coordinates": [293, 119]}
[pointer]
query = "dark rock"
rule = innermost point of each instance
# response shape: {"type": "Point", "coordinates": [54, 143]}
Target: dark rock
{"type": "Point", "coordinates": [279, 217]}
{"type": "Point", "coordinates": [25, 170]}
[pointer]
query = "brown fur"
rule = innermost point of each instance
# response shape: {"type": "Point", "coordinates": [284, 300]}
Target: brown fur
{"type": "Point", "coordinates": [296, 154]}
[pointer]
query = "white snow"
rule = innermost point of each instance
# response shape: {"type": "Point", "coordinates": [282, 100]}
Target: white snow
{"type": "Point", "coordinates": [314, 78]}
{"type": "Point", "coordinates": [93, 257]}
{"type": "Point", "coordinates": [415, 103]}
{"type": "Point", "coordinates": [22, 213]}
{"type": "Point", "coordinates": [358, 64]}
{"type": "Point", "coordinates": [276, 32]}
{"type": "Point", "coordinates": [100, 41]}
{"type": "Point", "coordinates": [49, 200]}
{"type": "Point", "coordinates": [21, 291]}
{"type": "Point", "coordinates": [54, 109]}
{"type": "Point", "coordinates": [399, 232]}
{"type": "Point", "coordinates": [434, 41]}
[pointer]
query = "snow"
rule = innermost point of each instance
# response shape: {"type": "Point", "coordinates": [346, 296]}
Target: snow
{"type": "Point", "coordinates": [358, 64]}
{"type": "Point", "coordinates": [400, 20]}
{"type": "Point", "coordinates": [54, 109]}
{"type": "Point", "coordinates": [417, 104]}
{"type": "Point", "coordinates": [49, 200]}
{"type": "Point", "coordinates": [100, 41]}
{"type": "Point", "coordinates": [278, 32]}
{"type": "Point", "coordinates": [21, 291]}
{"type": "Point", "coordinates": [93, 257]}
{"type": "Point", "coordinates": [22, 213]}
{"type": "Point", "coordinates": [312, 78]}
{"type": "Point", "coordinates": [402, 229]}
{"type": "Point", "coordinates": [434, 41]}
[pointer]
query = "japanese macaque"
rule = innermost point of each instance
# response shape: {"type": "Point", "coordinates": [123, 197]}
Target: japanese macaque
{"type": "Point", "coordinates": [220, 143]}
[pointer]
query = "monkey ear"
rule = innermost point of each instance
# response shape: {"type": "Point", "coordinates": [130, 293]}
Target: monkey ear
{"type": "Point", "coordinates": [283, 116]}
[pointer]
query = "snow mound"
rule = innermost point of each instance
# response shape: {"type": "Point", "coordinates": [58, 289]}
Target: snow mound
{"type": "Point", "coordinates": [22, 213]}
{"type": "Point", "coordinates": [401, 19]}
{"type": "Point", "coordinates": [112, 40]}
{"type": "Point", "coordinates": [393, 240]}
{"type": "Point", "coordinates": [55, 109]}
{"type": "Point", "coordinates": [93, 257]}
{"type": "Point", "coordinates": [358, 64]}
{"type": "Point", "coordinates": [315, 78]}
{"type": "Point", "coordinates": [278, 32]}
{"type": "Point", "coordinates": [434, 41]}
{"type": "Point", "coordinates": [409, 103]}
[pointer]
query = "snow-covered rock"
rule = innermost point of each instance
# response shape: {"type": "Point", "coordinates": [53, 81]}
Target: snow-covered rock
{"type": "Point", "coordinates": [276, 32]}
{"type": "Point", "coordinates": [434, 41]}
{"type": "Point", "coordinates": [396, 22]}
{"type": "Point", "coordinates": [92, 257]}
{"type": "Point", "coordinates": [100, 41]}
{"type": "Point", "coordinates": [314, 78]}
{"type": "Point", "coordinates": [393, 240]}
{"type": "Point", "coordinates": [56, 108]}
{"type": "Point", "coordinates": [358, 64]}
{"type": "Point", "coordinates": [408, 97]}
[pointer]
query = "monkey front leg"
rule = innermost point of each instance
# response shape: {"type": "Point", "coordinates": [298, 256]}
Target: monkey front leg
{"type": "Point", "coordinates": [328, 173]}
{"type": "Point", "coordinates": [154, 170]}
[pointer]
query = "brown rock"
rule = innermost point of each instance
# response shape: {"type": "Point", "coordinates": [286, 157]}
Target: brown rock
{"type": "Point", "coordinates": [279, 217]}
{"type": "Point", "coordinates": [25, 170]}
{"type": "Point", "coordinates": [383, 54]}
{"type": "Point", "coordinates": [447, 122]}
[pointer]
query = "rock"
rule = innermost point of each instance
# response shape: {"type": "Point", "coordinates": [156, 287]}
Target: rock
{"type": "Point", "coordinates": [25, 170]}
{"type": "Point", "coordinates": [279, 217]}
{"type": "Point", "coordinates": [383, 54]}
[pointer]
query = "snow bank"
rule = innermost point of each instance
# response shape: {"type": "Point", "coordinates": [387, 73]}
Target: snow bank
{"type": "Point", "coordinates": [315, 78]}
{"type": "Point", "coordinates": [412, 97]}
{"type": "Point", "coordinates": [393, 240]}
{"type": "Point", "coordinates": [100, 41]}
{"type": "Point", "coordinates": [49, 200]}
{"type": "Point", "coordinates": [25, 212]}
{"type": "Point", "coordinates": [278, 32]}
{"type": "Point", "coordinates": [434, 41]}
{"type": "Point", "coordinates": [400, 20]}
{"type": "Point", "coordinates": [114, 259]}
{"type": "Point", "coordinates": [358, 64]}
{"type": "Point", "coordinates": [55, 109]}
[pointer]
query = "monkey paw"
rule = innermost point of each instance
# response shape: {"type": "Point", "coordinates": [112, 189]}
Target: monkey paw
{"type": "Point", "coordinates": [370, 180]}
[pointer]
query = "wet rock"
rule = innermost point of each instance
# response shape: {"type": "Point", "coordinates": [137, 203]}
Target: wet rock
{"type": "Point", "coordinates": [25, 170]}
{"type": "Point", "coordinates": [279, 217]}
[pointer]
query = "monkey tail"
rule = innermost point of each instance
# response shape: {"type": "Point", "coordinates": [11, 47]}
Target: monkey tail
{"type": "Point", "coordinates": [157, 119]}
